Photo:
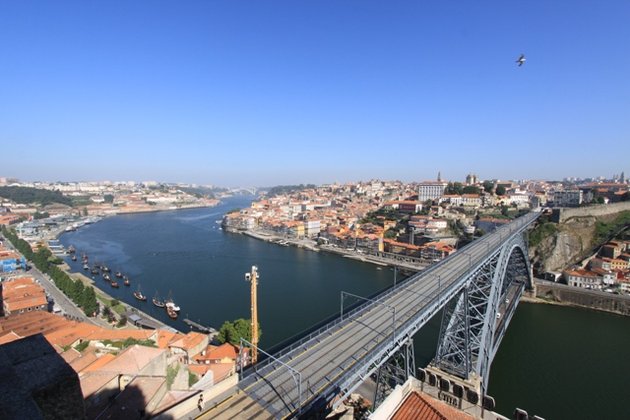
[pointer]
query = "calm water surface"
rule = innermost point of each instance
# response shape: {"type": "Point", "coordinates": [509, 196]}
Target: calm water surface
{"type": "Point", "coordinates": [555, 362]}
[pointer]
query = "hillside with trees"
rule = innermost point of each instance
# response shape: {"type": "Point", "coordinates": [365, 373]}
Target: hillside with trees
{"type": "Point", "coordinates": [29, 195]}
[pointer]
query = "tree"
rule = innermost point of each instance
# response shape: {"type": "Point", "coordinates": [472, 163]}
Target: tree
{"type": "Point", "coordinates": [108, 198]}
{"type": "Point", "coordinates": [85, 211]}
{"type": "Point", "coordinates": [500, 190]}
{"type": "Point", "coordinates": [488, 186]}
{"type": "Point", "coordinates": [454, 188]}
{"type": "Point", "coordinates": [471, 189]}
{"type": "Point", "coordinates": [232, 332]}
{"type": "Point", "coordinates": [122, 321]}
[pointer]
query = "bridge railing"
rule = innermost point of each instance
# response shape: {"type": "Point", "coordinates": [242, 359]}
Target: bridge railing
{"type": "Point", "coordinates": [348, 317]}
{"type": "Point", "coordinates": [355, 312]}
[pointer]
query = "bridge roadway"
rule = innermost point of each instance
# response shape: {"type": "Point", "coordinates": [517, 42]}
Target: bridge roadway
{"type": "Point", "coordinates": [328, 357]}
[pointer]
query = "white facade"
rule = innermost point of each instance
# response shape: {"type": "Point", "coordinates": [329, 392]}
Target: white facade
{"type": "Point", "coordinates": [569, 198]}
{"type": "Point", "coordinates": [431, 190]}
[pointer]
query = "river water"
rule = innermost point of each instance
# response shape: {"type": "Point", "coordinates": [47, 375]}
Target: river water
{"type": "Point", "coordinates": [554, 362]}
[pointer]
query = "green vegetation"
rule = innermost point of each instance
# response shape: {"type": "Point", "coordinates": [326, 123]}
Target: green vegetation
{"type": "Point", "coordinates": [43, 259]}
{"type": "Point", "coordinates": [232, 332]}
{"type": "Point", "coordinates": [82, 346]}
{"type": "Point", "coordinates": [288, 189]}
{"type": "Point", "coordinates": [543, 230]}
{"type": "Point", "coordinates": [192, 379]}
{"type": "Point", "coordinates": [28, 195]}
{"type": "Point", "coordinates": [454, 188]}
{"type": "Point", "coordinates": [471, 189]}
{"type": "Point", "coordinates": [109, 198]}
{"type": "Point", "coordinates": [378, 217]}
{"type": "Point", "coordinates": [198, 192]}
{"type": "Point", "coordinates": [604, 229]}
{"type": "Point", "coordinates": [171, 373]}
{"type": "Point", "coordinates": [82, 200]}
{"type": "Point", "coordinates": [129, 342]}
{"type": "Point", "coordinates": [500, 190]}
{"type": "Point", "coordinates": [39, 215]}
{"type": "Point", "coordinates": [122, 321]}
{"type": "Point", "coordinates": [488, 186]}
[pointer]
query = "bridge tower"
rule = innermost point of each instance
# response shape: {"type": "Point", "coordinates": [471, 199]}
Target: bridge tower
{"type": "Point", "coordinates": [252, 277]}
{"type": "Point", "coordinates": [475, 321]}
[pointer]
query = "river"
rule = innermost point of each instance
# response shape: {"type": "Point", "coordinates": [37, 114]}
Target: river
{"type": "Point", "coordinates": [543, 364]}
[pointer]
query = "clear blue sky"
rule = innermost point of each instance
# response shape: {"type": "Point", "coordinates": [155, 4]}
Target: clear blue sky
{"type": "Point", "coordinates": [268, 92]}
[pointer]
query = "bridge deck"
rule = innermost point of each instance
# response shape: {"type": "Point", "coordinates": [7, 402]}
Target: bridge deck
{"type": "Point", "coordinates": [345, 345]}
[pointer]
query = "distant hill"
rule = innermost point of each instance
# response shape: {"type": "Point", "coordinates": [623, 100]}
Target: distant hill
{"type": "Point", "coordinates": [286, 189]}
{"type": "Point", "coordinates": [28, 195]}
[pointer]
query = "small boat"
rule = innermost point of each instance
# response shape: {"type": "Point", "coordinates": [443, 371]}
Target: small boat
{"type": "Point", "coordinates": [156, 301]}
{"type": "Point", "coordinates": [127, 282]}
{"type": "Point", "coordinates": [105, 268]}
{"type": "Point", "coordinates": [86, 267]}
{"type": "Point", "coordinates": [73, 258]}
{"type": "Point", "coordinates": [138, 295]}
{"type": "Point", "coordinates": [118, 274]}
{"type": "Point", "coordinates": [71, 249]}
{"type": "Point", "coordinates": [171, 313]}
{"type": "Point", "coordinates": [106, 277]}
{"type": "Point", "coordinates": [170, 304]}
{"type": "Point", "coordinates": [115, 284]}
{"type": "Point", "coordinates": [95, 270]}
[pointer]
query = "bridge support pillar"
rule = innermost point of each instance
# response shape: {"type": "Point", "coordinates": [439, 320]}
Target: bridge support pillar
{"type": "Point", "coordinates": [395, 371]}
{"type": "Point", "coordinates": [455, 391]}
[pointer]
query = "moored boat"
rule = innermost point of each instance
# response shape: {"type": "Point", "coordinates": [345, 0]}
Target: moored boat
{"type": "Point", "coordinates": [86, 267]}
{"type": "Point", "coordinates": [171, 313]}
{"type": "Point", "coordinates": [127, 282]}
{"type": "Point", "coordinates": [106, 277]}
{"type": "Point", "coordinates": [71, 249]}
{"type": "Point", "coordinates": [138, 295]}
{"type": "Point", "coordinates": [94, 270]}
{"type": "Point", "coordinates": [73, 258]}
{"type": "Point", "coordinates": [105, 268]}
{"type": "Point", "coordinates": [115, 284]}
{"type": "Point", "coordinates": [156, 300]}
{"type": "Point", "coordinates": [118, 274]}
{"type": "Point", "coordinates": [170, 303]}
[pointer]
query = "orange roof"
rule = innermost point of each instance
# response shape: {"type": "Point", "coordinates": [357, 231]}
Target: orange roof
{"type": "Point", "coordinates": [100, 362]}
{"type": "Point", "coordinates": [190, 340]}
{"type": "Point", "coordinates": [9, 337]}
{"type": "Point", "coordinates": [83, 361]}
{"type": "Point", "coordinates": [224, 351]}
{"type": "Point", "coordinates": [221, 370]}
{"type": "Point", "coordinates": [165, 337]}
{"type": "Point", "coordinates": [416, 406]}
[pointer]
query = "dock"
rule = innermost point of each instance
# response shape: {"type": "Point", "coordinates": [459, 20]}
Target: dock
{"type": "Point", "coordinates": [199, 327]}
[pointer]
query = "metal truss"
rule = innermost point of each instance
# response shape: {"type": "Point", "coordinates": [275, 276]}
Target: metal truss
{"type": "Point", "coordinates": [469, 336]}
{"type": "Point", "coordinates": [395, 371]}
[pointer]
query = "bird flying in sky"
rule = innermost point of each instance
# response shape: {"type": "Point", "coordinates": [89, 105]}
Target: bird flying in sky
{"type": "Point", "coordinates": [521, 60]}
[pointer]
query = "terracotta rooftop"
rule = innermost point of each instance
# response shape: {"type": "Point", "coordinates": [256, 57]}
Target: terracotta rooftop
{"type": "Point", "coordinates": [416, 406]}
{"type": "Point", "coordinates": [132, 360]}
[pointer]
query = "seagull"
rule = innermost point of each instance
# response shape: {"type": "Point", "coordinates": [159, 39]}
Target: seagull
{"type": "Point", "coordinates": [521, 60]}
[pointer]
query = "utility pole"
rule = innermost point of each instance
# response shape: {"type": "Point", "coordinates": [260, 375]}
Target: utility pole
{"type": "Point", "coordinates": [252, 277]}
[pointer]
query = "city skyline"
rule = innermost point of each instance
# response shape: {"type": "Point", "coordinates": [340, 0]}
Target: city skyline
{"type": "Point", "coordinates": [236, 94]}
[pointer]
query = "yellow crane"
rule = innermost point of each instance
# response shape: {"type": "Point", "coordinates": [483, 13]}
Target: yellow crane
{"type": "Point", "coordinates": [252, 277]}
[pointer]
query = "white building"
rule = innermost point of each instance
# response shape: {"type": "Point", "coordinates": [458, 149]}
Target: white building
{"type": "Point", "coordinates": [431, 190]}
{"type": "Point", "coordinates": [568, 198]}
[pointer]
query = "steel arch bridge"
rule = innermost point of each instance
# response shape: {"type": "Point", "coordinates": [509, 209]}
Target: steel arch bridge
{"type": "Point", "coordinates": [479, 286]}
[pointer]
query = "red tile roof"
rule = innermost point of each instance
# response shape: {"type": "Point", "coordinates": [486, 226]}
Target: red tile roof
{"type": "Point", "coordinates": [416, 406]}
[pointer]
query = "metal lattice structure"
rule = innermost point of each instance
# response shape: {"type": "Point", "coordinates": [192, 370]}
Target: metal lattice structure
{"type": "Point", "coordinates": [474, 323]}
{"type": "Point", "coordinates": [395, 371]}
{"type": "Point", "coordinates": [480, 280]}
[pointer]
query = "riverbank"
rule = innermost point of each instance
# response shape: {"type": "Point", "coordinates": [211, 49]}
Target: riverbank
{"type": "Point", "coordinates": [146, 321]}
{"type": "Point", "coordinates": [312, 245]}
{"type": "Point", "coordinates": [551, 293]}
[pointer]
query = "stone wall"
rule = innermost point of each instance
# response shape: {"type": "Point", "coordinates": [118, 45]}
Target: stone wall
{"type": "Point", "coordinates": [561, 215]}
{"type": "Point", "coordinates": [575, 296]}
